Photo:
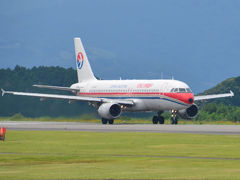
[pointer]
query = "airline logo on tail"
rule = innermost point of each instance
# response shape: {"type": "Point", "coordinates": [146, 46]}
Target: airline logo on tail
{"type": "Point", "coordinates": [80, 60]}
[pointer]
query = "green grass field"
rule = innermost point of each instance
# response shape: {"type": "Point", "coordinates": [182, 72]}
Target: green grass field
{"type": "Point", "coordinates": [114, 155]}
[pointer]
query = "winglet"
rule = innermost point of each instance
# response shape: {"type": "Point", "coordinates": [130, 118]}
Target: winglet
{"type": "Point", "coordinates": [231, 93]}
{"type": "Point", "coordinates": [3, 92]}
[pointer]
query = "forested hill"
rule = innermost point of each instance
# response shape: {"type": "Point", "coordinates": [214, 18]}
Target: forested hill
{"type": "Point", "coordinates": [22, 79]}
{"type": "Point", "coordinates": [232, 84]}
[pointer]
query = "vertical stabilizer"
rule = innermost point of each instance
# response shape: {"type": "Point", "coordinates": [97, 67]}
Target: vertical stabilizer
{"type": "Point", "coordinates": [84, 70]}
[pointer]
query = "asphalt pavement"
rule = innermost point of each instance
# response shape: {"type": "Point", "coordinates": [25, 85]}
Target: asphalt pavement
{"type": "Point", "coordinates": [94, 127]}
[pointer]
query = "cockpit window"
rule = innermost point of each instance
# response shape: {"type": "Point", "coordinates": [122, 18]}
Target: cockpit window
{"type": "Point", "coordinates": [189, 90]}
{"type": "Point", "coordinates": [181, 90]}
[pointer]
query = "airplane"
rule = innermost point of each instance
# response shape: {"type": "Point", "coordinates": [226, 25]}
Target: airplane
{"type": "Point", "coordinates": [112, 97]}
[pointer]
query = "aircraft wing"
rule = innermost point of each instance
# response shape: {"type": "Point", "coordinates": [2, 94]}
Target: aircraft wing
{"type": "Point", "coordinates": [69, 97]}
{"type": "Point", "coordinates": [213, 96]}
{"type": "Point", "coordinates": [56, 87]}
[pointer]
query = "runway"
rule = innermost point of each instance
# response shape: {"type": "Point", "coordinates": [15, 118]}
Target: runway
{"type": "Point", "coordinates": [75, 126]}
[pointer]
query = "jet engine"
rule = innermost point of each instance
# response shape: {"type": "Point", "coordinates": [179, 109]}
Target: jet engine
{"type": "Point", "coordinates": [109, 110]}
{"type": "Point", "coordinates": [189, 113]}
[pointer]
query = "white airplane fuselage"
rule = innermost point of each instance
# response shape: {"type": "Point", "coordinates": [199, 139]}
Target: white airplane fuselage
{"type": "Point", "coordinates": [147, 95]}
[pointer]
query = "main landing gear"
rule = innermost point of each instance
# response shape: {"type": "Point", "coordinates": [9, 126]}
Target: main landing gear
{"type": "Point", "coordinates": [174, 118]}
{"type": "Point", "coordinates": [109, 121]}
{"type": "Point", "coordinates": [158, 118]}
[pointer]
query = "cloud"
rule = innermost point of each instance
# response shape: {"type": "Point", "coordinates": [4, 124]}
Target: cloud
{"type": "Point", "coordinates": [97, 53]}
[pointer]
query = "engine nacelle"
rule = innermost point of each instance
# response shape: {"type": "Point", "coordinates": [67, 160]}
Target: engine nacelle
{"type": "Point", "coordinates": [189, 113]}
{"type": "Point", "coordinates": [109, 110]}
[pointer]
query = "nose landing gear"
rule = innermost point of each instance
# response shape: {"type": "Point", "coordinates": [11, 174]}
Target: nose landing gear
{"type": "Point", "coordinates": [174, 118]}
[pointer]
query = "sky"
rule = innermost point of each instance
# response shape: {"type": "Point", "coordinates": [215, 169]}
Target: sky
{"type": "Point", "coordinates": [197, 42]}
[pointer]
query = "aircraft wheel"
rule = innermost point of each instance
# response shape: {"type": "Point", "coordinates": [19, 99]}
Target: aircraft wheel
{"type": "Point", "coordinates": [155, 120]}
{"type": "Point", "coordinates": [104, 121]}
{"type": "Point", "coordinates": [111, 121]}
{"type": "Point", "coordinates": [174, 120]}
{"type": "Point", "coordinates": [161, 120]}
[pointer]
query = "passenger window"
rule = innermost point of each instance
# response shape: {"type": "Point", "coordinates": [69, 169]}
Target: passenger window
{"type": "Point", "coordinates": [176, 90]}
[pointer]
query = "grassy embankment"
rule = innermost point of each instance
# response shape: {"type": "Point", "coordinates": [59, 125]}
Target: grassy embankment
{"type": "Point", "coordinates": [121, 120]}
{"type": "Point", "coordinates": [95, 155]}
